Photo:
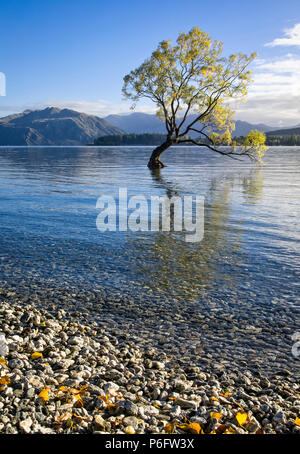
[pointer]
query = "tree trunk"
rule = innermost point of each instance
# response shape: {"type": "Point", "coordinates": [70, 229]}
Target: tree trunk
{"type": "Point", "coordinates": [154, 161]}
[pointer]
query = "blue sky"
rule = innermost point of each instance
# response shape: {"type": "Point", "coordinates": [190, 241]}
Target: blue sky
{"type": "Point", "coordinates": [75, 53]}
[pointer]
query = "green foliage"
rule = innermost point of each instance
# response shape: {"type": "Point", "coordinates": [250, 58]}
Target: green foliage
{"type": "Point", "coordinates": [131, 139]}
{"type": "Point", "coordinates": [192, 76]}
{"type": "Point", "coordinates": [289, 140]}
{"type": "Point", "coordinates": [254, 144]}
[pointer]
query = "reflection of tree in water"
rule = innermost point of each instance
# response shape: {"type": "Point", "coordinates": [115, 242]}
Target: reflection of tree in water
{"type": "Point", "coordinates": [253, 186]}
{"type": "Point", "coordinates": [174, 267]}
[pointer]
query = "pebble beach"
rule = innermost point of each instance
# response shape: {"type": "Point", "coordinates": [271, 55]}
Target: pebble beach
{"type": "Point", "coordinates": [63, 373]}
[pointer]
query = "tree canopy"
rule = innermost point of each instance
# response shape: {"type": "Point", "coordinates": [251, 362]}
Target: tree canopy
{"type": "Point", "coordinates": [192, 77]}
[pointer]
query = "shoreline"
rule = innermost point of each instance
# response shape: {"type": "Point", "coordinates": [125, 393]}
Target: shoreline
{"type": "Point", "coordinates": [59, 375]}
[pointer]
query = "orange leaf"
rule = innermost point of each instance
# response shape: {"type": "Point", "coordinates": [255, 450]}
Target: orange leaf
{"type": "Point", "coordinates": [5, 380]}
{"type": "Point", "coordinates": [104, 398]}
{"type": "Point", "coordinates": [225, 394]}
{"type": "Point", "coordinates": [297, 421]}
{"type": "Point", "coordinates": [169, 428]}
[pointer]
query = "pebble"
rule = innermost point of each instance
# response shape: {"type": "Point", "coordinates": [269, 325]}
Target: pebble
{"type": "Point", "coordinates": [90, 379]}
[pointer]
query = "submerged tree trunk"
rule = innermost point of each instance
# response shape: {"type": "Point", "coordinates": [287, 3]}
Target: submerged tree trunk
{"type": "Point", "coordinates": [154, 161]}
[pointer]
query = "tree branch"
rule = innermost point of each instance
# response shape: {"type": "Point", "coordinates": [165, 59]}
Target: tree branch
{"type": "Point", "coordinates": [231, 154]}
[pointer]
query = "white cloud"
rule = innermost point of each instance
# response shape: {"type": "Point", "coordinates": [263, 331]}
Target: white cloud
{"type": "Point", "coordinates": [274, 96]}
{"type": "Point", "coordinates": [292, 38]}
{"type": "Point", "coordinates": [271, 109]}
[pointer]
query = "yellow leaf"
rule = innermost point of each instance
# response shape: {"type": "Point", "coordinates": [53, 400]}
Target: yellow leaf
{"type": "Point", "coordinates": [218, 416]}
{"type": "Point", "coordinates": [297, 421]}
{"type": "Point", "coordinates": [194, 428]}
{"type": "Point", "coordinates": [241, 418]}
{"type": "Point", "coordinates": [2, 361]}
{"type": "Point", "coordinates": [61, 389]}
{"type": "Point", "coordinates": [36, 355]}
{"type": "Point", "coordinates": [44, 394]}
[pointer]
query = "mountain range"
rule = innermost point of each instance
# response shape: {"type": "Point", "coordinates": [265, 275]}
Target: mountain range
{"type": "Point", "coordinates": [54, 126]}
{"type": "Point", "coordinates": [140, 123]}
{"type": "Point", "coordinates": [285, 132]}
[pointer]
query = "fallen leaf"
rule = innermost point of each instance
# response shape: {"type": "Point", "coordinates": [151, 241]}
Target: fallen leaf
{"type": "Point", "coordinates": [79, 402]}
{"type": "Point", "coordinates": [217, 416]}
{"type": "Point", "coordinates": [61, 389]}
{"type": "Point", "coordinates": [194, 428]}
{"type": "Point", "coordinates": [297, 421]}
{"type": "Point", "coordinates": [2, 361]}
{"type": "Point", "coordinates": [183, 426]}
{"type": "Point", "coordinates": [104, 398]}
{"type": "Point", "coordinates": [225, 394]}
{"type": "Point", "coordinates": [36, 355]}
{"type": "Point", "coordinates": [5, 380]}
{"type": "Point", "coordinates": [44, 394]}
{"type": "Point", "coordinates": [241, 417]}
{"type": "Point", "coordinates": [169, 428]}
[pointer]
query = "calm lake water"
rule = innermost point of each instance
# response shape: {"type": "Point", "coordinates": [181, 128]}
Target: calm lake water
{"type": "Point", "coordinates": [249, 258]}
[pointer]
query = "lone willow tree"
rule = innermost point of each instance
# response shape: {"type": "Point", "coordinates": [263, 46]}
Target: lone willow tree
{"type": "Point", "coordinates": [191, 85]}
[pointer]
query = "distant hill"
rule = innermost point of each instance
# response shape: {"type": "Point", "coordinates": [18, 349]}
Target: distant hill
{"type": "Point", "coordinates": [137, 123]}
{"type": "Point", "coordinates": [53, 126]}
{"type": "Point", "coordinates": [140, 123]}
{"type": "Point", "coordinates": [285, 132]}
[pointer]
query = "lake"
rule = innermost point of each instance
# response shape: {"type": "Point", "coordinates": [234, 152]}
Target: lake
{"type": "Point", "coordinates": [231, 298]}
